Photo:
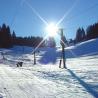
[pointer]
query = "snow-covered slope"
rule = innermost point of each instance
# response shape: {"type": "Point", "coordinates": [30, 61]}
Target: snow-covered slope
{"type": "Point", "coordinates": [79, 80]}
{"type": "Point", "coordinates": [51, 55]}
{"type": "Point", "coordinates": [85, 48]}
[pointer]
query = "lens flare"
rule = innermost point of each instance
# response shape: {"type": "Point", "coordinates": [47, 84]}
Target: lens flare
{"type": "Point", "coordinates": [51, 29]}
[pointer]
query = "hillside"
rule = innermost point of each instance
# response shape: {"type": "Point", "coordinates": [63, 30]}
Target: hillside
{"type": "Point", "coordinates": [45, 79]}
{"type": "Point", "coordinates": [85, 48]}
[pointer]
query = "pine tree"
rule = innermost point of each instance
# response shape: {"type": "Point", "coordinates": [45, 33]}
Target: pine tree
{"type": "Point", "coordinates": [80, 35]}
{"type": "Point", "coordinates": [83, 35]}
{"type": "Point", "coordinates": [8, 37]}
{"type": "Point", "coordinates": [13, 38]}
{"type": "Point", "coordinates": [3, 36]}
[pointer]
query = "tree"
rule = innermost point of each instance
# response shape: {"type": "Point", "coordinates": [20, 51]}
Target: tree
{"type": "Point", "coordinates": [3, 36]}
{"type": "Point", "coordinates": [71, 42]}
{"type": "Point", "coordinates": [92, 31]}
{"type": "Point", "coordinates": [80, 35]}
{"type": "Point", "coordinates": [83, 34]}
{"type": "Point", "coordinates": [89, 32]}
{"type": "Point", "coordinates": [8, 37]}
{"type": "Point", "coordinates": [0, 37]}
{"type": "Point", "coordinates": [51, 42]}
{"type": "Point", "coordinates": [13, 38]}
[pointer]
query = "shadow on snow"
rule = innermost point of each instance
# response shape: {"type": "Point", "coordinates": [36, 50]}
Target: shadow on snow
{"type": "Point", "coordinates": [85, 85]}
{"type": "Point", "coordinates": [49, 56]}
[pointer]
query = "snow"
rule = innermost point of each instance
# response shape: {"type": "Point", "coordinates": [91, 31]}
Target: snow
{"type": "Point", "coordinates": [84, 48]}
{"type": "Point", "coordinates": [46, 80]}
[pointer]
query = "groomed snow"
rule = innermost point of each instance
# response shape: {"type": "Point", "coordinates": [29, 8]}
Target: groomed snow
{"type": "Point", "coordinates": [46, 80]}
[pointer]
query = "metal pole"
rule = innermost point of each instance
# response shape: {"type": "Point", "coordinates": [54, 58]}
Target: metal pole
{"type": "Point", "coordinates": [63, 50]}
{"type": "Point", "coordinates": [34, 57]}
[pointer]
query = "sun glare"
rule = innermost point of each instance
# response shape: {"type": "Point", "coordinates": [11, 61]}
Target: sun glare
{"type": "Point", "coordinates": [52, 29]}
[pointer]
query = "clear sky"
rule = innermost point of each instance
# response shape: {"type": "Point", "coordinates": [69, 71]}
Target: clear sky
{"type": "Point", "coordinates": [22, 15]}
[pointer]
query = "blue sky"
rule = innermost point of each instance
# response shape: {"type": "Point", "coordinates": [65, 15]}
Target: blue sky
{"type": "Point", "coordinates": [20, 17]}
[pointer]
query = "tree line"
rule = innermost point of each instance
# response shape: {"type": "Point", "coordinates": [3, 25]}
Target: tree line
{"type": "Point", "coordinates": [8, 39]}
{"type": "Point", "coordinates": [83, 35]}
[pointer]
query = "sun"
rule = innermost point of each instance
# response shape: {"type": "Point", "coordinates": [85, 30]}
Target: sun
{"type": "Point", "coordinates": [52, 29]}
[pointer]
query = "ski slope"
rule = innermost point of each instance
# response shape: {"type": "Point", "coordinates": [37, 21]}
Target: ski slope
{"type": "Point", "coordinates": [46, 80]}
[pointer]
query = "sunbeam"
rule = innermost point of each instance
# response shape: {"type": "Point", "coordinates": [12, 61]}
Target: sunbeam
{"type": "Point", "coordinates": [16, 13]}
{"type": "Point", "coordinates": [67, 46]}
{"type": "Point", "coordinates": [46, 23]}
{"type": "Point", "coordinates": [36, 13]}
{"type": "Point", "coordinates": [40, 44]}
{"type": "Point", "coordinates": [67, 13]}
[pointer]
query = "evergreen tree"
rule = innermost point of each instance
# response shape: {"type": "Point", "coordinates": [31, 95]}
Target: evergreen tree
{"type": "Point", "coordinates": [3, 36]}
{"type": "Point", "coordinates": [92, 31]}
{"type": "Point", "coordinates": [89, 32]}
{"type": "Point", "coordinates": [13, 38]}
{"type": "Point", "coordinates": [80, 35]}
{"type": "Point", "coordinates": [8, 37]}
{"type": "Point", "coordinates": [51, 42]}
{"type": "Point", "coordinates": [83, 35]}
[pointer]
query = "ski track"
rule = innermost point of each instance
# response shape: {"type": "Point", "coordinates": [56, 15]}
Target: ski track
{"type": "Point", "coordinates": [80, 80]}
{"type": "Point", "coordinates": [29, 81]}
